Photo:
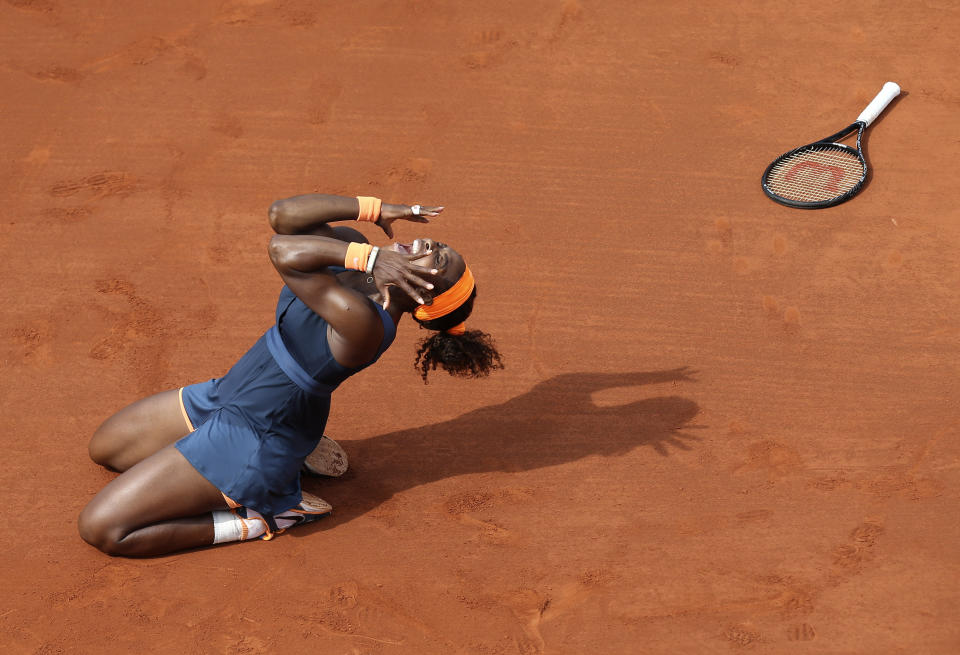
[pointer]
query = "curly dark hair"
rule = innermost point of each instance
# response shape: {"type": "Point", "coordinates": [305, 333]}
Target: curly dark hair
{"type": "Point", "coordinates": [472, 354]}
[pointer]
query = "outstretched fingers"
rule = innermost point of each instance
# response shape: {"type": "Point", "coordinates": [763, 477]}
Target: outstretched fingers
{"type": "Point", "coordinates": [412, 213]}
{"type": "Point", "coordinates": [418, 212]}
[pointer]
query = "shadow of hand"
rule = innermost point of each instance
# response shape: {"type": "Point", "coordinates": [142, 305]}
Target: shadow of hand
{"type": "Point", "coordinates": [555, 422]}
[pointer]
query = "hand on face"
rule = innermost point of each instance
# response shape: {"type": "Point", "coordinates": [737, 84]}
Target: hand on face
{"type": "Point", "coordinates": [393, 268]}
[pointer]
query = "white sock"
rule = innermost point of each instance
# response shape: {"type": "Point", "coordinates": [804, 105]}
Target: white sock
{"type": "Point", "coordinates": [227, 526]}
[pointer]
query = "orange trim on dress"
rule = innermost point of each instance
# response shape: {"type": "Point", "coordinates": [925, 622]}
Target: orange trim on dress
{"type": "Point", "coordinates": [231, 503]}
{"type": "Point", "coordinates": [183, 410]}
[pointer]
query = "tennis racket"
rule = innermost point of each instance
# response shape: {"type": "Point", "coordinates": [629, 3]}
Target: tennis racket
{"type": "Point", "coordinates": [825, 173]}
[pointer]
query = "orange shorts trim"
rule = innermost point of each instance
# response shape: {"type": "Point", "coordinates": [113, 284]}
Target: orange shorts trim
{"type": "Point", "coordinates": [183, 411]}
{"type": "Point", "coordinates": [231, 503]}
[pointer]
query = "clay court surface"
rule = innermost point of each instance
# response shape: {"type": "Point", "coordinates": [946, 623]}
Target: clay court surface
{"type": "Point", "coordinates": [724, 426]}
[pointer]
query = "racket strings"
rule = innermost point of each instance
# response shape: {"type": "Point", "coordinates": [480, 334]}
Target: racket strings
{"type": "Point", "coordinates": [816, 174]}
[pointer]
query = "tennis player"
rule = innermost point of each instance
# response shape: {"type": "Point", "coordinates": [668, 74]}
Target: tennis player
{"type": "Point", "coordinates": [220, 461]}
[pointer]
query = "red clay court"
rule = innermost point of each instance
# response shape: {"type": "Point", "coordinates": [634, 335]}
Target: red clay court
{"type": "Point", "coordinates": [725, 425]}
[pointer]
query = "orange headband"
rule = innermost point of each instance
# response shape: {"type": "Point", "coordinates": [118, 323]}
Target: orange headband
{"type": "Point", "coordinates": [369, 208]}
{"type": "Point", "coordinates": [449, 301]}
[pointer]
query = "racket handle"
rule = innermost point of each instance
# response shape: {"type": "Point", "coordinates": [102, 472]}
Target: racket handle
{"type": "Point", "coordinates": [889, 91]}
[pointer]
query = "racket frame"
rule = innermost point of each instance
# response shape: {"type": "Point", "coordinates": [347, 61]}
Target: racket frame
{"type": "Point", "coordinates": [826, 141]}
{"type": "Point", "coordinates": [889, 91]}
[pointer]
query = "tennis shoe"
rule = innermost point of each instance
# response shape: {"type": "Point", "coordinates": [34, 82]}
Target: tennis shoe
{"type": "Point", "coordinates": [327, 460]}
{"type": "Point", "coordinates": [310, 509]}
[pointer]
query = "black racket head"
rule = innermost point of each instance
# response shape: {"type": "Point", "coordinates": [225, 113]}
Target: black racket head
{"type": "Point", "coordinates": [820, 174]}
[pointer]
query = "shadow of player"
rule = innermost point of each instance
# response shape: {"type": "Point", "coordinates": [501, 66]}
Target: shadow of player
{"type": "Point", "coordinates": [555, 422]}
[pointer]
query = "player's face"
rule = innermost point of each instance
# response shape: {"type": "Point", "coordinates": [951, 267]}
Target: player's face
{"type": "Point", "coordinates": [436, 255]}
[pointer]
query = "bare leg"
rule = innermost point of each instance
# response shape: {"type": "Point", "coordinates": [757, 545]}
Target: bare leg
{"type": "Point", "coordinates": [138, 431]}
{"type": "Point", "coordinates": [160, 505]}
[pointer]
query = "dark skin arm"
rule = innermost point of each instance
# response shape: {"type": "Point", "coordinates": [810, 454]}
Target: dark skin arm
{"type": "Point", "coordinates": [310, 214]}
{"type": "Point", "coordinates": [355, 326]}
{"type": "Point", "coordinates": [306, 244]}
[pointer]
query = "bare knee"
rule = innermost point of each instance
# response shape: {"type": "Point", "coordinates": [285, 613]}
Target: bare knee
{"type": "Point", "coordinates": [105, 448]}
{"type": "Point", "coordinates": [97, 528]}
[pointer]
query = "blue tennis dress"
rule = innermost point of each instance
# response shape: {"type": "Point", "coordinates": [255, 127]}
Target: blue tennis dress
{"type": "Point", "coordinates": [255, 425]}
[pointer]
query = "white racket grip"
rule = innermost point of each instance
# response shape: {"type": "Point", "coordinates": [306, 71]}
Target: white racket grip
{"type": "Point", "coordinates": [889, 91]}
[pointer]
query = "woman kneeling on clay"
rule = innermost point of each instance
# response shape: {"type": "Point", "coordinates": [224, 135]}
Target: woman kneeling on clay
{"type": "Point", "coordinates": [221, 460]}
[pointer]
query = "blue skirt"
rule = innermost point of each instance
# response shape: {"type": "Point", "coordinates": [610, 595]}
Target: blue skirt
{"type": "Point", "coordinates": [253, 429]}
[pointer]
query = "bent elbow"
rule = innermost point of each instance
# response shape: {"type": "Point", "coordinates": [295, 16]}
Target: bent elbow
{"type": "Point", "coordinates": [283, 252]}
{"type": "Point", "coordinates": [276, 250]}
{"type": "Point", "coordinates": [277, 215]}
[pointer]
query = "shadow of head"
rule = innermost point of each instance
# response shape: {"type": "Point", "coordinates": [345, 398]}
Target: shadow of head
{"type": "Point", "coordinates": [560, 420]}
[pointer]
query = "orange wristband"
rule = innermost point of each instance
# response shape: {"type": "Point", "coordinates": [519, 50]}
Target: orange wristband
{"type": "Point", "coordinates": [369, 208]}
{"type": "Point", "coordinates": [357, 254]}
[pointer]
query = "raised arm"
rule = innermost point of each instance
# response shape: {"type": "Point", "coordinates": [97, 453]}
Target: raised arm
{"type": "Point", "coordinates": [311, 213]}
{"type": "Point", "coordinates": [303, 261]}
